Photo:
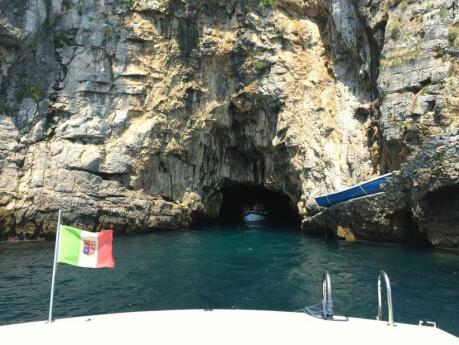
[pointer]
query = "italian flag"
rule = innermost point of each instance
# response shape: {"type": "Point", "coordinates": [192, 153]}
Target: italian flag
{"type": "Point", "coordinates": [85, 249]}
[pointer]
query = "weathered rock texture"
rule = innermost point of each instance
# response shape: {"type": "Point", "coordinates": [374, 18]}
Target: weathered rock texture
{"type": "Point", "coordinates": [431, 181]}
{"type": "Point", "coordinates": [383, 217]}
{"type": "Point", "coordinates": [137, 113]}
{"type": "Point", "coordinates": [418, 75]}
{"type": "Point", "coordinates": [419, 203]}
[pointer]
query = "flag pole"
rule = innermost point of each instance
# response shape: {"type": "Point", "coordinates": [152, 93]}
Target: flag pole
{"type": "Point", "coordinates": [56, 250]}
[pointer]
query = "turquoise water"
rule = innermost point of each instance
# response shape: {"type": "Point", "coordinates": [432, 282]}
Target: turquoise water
{"type": "Point", "coordinates": [231, 267]}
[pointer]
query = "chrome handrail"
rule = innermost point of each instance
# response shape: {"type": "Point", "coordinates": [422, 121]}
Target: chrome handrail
{"type": "Point", "coordinates": [390, 310]}
{"type": "Point", "coordinates": [327, 301]}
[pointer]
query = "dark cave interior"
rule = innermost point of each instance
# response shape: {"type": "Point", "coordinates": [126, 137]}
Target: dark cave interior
{"type": "Point", "coordinates": [277, 204]}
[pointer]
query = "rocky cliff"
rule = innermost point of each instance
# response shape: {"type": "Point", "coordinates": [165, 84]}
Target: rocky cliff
{"type": "Point", "coordinates": [420, 203]}
{"type": "Point", "coordinates": [136, 114]}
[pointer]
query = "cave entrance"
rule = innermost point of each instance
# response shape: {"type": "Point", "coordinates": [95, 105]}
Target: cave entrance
{"type": "Point", "coordinates": [277, 204]}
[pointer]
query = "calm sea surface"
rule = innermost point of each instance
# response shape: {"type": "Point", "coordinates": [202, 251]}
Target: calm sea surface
{"type": "Point", "coordinates": [231, 267]}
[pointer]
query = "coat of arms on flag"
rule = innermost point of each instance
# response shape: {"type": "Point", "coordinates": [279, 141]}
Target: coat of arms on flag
{"type": "Point", "coordinates": [89, 247]}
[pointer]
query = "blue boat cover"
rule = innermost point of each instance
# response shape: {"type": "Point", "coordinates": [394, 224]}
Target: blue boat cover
{"type": "Point", "coordinates": [366, 188]}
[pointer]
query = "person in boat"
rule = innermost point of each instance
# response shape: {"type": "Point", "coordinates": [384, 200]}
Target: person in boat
{"type": "Point", "coordinates": [254, 208]}
{"type": "Point", "coordinates": [257, 208]}
{"type": "Point", "coordinates": [249, 208]}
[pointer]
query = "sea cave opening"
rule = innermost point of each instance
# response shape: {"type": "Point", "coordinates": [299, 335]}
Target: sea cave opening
{"type": "Point", "coordinates": [278, 206]}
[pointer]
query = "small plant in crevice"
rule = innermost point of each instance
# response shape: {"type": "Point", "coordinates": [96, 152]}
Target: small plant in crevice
{"type": "Point", "coordinates": [260, 66]}
{"type": "Point", "coordinates": [444, 13]}
{"type": "Point", "coordinates": [126, 5]}
{"type": "Point", "coordinates": [80, 9]}
{"type": "Point", "coordinates": [117, 36]}
{"type": "Point", "coordinates": [5, 110]}
{"type": "Point", "coordinates": [129, 4]}
{"type": "Point", "coordinates": [32, 91]}
{"type": "Point", "coordinates": [61, 40]}
{"type": "Point", "coordinates": [401, 56]}
{"type": "Point", "coordinates": [401, 125]}
{"type": "Point", "coordinates": [267, 3]}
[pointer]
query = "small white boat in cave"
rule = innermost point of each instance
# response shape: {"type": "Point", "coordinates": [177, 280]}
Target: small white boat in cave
{"type": "Point", "coordinates": [255, 216]}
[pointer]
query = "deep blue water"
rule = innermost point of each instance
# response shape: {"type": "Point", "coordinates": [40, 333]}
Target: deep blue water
{"type": "Point", "coordinates": [231, 267]}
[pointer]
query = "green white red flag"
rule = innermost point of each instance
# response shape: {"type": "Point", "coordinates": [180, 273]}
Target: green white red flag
{"type": "Point", "coordinates": [84, 248]}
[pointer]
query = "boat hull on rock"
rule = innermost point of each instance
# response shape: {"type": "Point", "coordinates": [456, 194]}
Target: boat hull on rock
{"type": "Point", "coordinates": [373, 186]}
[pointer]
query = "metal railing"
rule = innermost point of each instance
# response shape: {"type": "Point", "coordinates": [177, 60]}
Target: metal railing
{"type": "Point", "coordinates": [327, 301]}
{"type": "Point", "coordinates": [427, 323]}
{"type": "Point", "coordinates": [390, 310]}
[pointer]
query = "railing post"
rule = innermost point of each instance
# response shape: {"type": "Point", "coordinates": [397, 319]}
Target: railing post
{"type": "Point", "coordinates": [327, 301]}
{"type": "Point", "coordinates": [390, 310]}
{"type": "Point", "coordinates": [53, 277]}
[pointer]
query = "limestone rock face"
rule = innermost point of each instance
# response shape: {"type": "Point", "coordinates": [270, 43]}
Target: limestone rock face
{"type": "Point", "coordinates": [432, 179]}
{"type": "Point", "coordinates": [418, 75]}
{"type": "Point", "coordinates": [135, 114]}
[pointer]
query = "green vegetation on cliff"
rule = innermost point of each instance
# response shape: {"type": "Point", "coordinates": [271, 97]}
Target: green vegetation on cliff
{"type": "Point", "coordinates": [32, 91]}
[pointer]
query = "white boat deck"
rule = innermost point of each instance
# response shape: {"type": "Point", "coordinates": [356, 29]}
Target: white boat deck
{"type": "Point", "coordinates": [218, 327]}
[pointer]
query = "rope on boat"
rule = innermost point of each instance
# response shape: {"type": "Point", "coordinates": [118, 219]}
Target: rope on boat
{"type": "Point", "coordinates": [363, 190]}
